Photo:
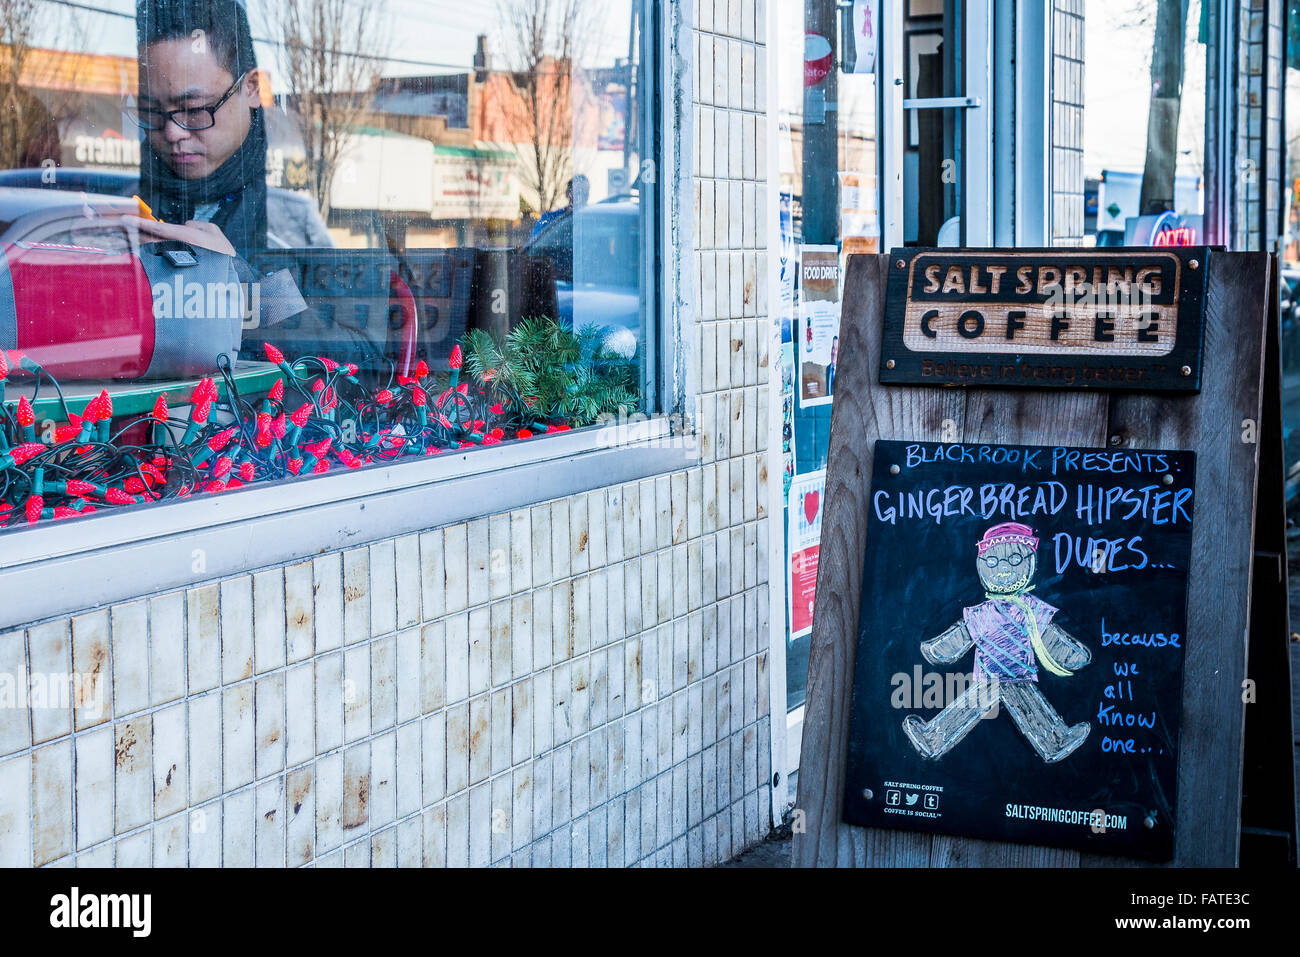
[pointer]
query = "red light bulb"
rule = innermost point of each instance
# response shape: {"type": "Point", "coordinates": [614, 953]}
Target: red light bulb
{"type": "Point", "coordinates": [221, 439]}
{"type": "Point", "coordinates": [206, 389]}
{"type": "Point", "coordinates": [21, 453]}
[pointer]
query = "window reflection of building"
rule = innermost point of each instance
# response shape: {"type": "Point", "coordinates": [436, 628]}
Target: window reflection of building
{"type": "Point", "coordinates": [437, 160]}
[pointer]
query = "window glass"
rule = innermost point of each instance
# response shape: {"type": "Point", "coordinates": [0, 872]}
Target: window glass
{"type": "Point", "coordinates": [1143, 127]}
{"type": "Point", "coordinates": [1289, 280]}
{"type": "Point", "coordinates": [828, 211]}
{"type": "Point", "coordinates": [245, 242]}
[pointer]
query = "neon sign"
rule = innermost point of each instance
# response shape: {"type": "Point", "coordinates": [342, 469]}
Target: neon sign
{"type": "Point", "coordinates": [1175, 236]}
{"type": "Point", "coordinates": [1169, 231]}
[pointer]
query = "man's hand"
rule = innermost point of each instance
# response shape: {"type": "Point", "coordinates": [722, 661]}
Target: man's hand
{"type": "Point", "coordinates": [195, 232]}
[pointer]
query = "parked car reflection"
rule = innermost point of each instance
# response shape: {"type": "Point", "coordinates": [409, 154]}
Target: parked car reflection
{"type": "Point", "coordinates": [595, 252]}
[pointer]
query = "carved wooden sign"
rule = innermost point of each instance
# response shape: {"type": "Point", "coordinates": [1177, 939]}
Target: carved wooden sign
{"type": "Point", "coordinates": [1130, 319]}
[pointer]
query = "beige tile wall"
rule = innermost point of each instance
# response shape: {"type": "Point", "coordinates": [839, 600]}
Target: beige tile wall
{"type": "Point", "coordinates": [580, 682]}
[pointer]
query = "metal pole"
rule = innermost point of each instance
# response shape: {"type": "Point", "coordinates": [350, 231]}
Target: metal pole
{"type": "Point", "coordinates": [821, 132]}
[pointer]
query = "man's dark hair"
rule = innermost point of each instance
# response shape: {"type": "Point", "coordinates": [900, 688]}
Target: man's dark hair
{"type": "Point", "coordinates": [224, 24]}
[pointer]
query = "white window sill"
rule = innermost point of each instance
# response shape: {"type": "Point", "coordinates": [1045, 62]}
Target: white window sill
{"type": "Point", "coordinates": [61, 567]}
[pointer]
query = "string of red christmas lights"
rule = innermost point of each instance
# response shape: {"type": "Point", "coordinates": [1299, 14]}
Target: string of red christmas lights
{"type": "Point", "coordinates": [317, 415]}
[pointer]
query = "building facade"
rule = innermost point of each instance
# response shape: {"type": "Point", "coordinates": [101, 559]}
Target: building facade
{"type": "Point", "coordinates": [570, 649]}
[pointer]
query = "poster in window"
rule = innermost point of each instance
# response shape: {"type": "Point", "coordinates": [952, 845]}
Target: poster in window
{"type": "Point", "coordinates": [859, 225]}
{"type": "Point", "coordinates": [787, 416]}
{"type": "Point", "coordinates": [864, 36]}
{"type": "Point", "coordinates": [817, 345]}
{"type": "Point", "coordinates": [807, 501]}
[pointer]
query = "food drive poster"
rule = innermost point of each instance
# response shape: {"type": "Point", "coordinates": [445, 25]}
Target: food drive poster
{"type": "Point", "coordinates": [807, 501]}
{"type": "Point", "coordinates": [819, 324]}
{"type": "Point", "coordinates": [1020, 652]}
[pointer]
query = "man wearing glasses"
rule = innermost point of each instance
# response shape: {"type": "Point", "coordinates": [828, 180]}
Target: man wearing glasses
{"type": "Point", "coordinates": [1012, 633]}
{"type": "Point", "coordinates": [203, 162]}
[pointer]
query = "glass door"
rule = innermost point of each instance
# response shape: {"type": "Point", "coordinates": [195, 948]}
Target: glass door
{"type": "Point", "coordinates": [936, 156]}
{"type": "Point", "coordinates": [828, 166]}
{"type": "Point", "coordinates": [883, 140]}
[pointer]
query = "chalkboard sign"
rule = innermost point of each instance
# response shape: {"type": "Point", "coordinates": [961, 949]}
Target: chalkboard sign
{"type": "Point", "coordinates": [1020, 652]}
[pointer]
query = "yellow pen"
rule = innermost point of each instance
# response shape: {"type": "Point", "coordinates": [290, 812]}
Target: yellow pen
{"type": "Point", "coordinates": [145, 211]}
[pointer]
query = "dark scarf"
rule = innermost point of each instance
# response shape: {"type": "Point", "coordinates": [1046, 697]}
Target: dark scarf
{"type": "Point", "coordinates": [239, 184]}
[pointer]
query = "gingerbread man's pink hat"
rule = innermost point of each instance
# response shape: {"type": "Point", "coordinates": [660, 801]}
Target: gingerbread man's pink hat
{"type": "Point", "coordinates": [1008, 532]}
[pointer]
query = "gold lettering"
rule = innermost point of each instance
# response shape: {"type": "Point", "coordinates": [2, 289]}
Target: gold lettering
{"type": "Point", "coordinates": [996, 272]}
{"type": "Point", "coordinates": [1049, 278]}
{"type": "Point", "coordinates": [1023, 281]}
{"type": "Point", "coordinates": [975, 286]}
{"type": "Point", "coordinates": [954, 282]}
{"type": "Point", "coordinates": [931, 278]}
{"type": "Point", "coordinates": [1153, 288]}
{"type": "Point", "coordinates": [1119, 278]}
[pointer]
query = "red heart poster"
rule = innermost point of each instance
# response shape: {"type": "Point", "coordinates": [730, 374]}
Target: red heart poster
{"type": "Point", "coordinates": [811, 502]}
{"type": "Point", "coordinates": [805, 532]}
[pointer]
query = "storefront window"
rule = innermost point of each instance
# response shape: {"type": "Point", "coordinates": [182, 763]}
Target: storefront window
{"type": "Point", "coordinates": [1143, 156]}
{"type": "Point", "coordinates": [1289, 280]}
{"type": "Point", "coordinates": [828, 211]}
{"type": "Point", "coordinates": [246, 244]}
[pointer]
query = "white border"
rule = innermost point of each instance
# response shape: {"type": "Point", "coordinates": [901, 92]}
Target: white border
{"type": "Point", "coordinates": [777, 666]}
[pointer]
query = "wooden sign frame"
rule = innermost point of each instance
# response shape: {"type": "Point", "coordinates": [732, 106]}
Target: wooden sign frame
{"type": "Point", "coordinates": [914, 289]}
{"type": "Point", "coordinates": [1221, 424]}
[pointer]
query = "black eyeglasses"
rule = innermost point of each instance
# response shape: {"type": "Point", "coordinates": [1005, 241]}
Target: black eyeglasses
{"type": "Point", "coordinates": [191, 118]}
{"type": "Point", "coordinates": [992, 561]}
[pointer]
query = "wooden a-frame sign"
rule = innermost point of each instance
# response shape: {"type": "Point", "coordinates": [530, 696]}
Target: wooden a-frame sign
{"type": "Point", "coordinates": [1235, 791]}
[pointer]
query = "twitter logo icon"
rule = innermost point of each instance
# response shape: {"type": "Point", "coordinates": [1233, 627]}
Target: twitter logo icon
{"type": "Point", "coordinates": [911, 799]}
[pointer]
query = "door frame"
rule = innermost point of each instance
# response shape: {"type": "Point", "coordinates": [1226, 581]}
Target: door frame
{"type": "Point", "coordinates": [982, 204]}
